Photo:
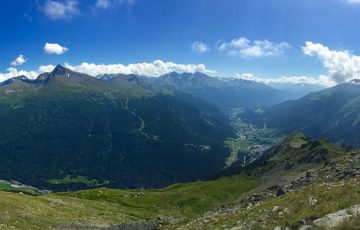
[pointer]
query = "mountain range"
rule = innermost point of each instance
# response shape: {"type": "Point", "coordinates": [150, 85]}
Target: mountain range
{"type": "Point", "coordinates": [68, 130]}
{"type": "Point", "coordinates": [85, 138]}
{"type": "Point", "coordinates": [224, 93]}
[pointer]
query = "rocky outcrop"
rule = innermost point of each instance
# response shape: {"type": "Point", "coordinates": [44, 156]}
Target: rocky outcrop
{"type": "Point", "coordinates": [332, 173]}
{"type": "Point", "coordinates": [306, 227]}
{"type": "Point", "coordinates": [349, 169]}
{"type": "Point", "coordinates": [334, 219]}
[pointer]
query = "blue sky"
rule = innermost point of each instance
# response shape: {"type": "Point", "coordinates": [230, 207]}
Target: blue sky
{"type": "Point", "coordinates": [267, 35]}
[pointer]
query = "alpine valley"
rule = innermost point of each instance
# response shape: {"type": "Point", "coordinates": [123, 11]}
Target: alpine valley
{"type": "Point", "coordinates": [179, 115]}
{"type": "Point", "coordinates": [67, 130]}
{"type": "Point", "coordinates": [179, 151]}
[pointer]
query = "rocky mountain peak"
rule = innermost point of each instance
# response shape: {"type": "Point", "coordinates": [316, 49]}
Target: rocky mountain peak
{"type": "Point", "coordinates": [60, 70]}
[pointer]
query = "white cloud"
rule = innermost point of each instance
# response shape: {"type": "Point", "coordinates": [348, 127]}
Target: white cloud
{"type": "Point", "coordinates": [244, 48]}
{"type": "Point", "coordinates": [321, 80]}
{"type": "Point", "coordinates": [105, 4]}
{"type": "Point", "coordinates": [155, 69]}
{"type": "Point", "coordinates": [54, 48]}
{"type": "Point", "coordinates": [46, 68]}
{"type": "Point", "coordinates": [56, 9]}
{"type": "Point", "coordinates": [342, 66]}
{"type": "Point", "coordinates": [199, 47]}
{"type": "Point", "coordinates": [13, 72]}
{"type": "Point", "coordinates": [19, 60]}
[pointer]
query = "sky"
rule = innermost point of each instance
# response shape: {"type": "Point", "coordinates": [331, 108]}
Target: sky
{"type": "Point", "coordinates": [270, 41]}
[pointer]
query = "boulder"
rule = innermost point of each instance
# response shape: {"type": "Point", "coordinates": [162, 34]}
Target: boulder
{"type": "Point", "coordinates": [312, 201]}
{"type": "Point", "coordinates": [334, 219]}
{"type": "Point", "coordinates": [276, 209]}
{"type": "Point", "coordinates": [306, 227]}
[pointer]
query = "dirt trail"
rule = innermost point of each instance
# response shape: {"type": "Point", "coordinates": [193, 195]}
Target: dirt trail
{"type": "Point", "coordinates": [142, 122]}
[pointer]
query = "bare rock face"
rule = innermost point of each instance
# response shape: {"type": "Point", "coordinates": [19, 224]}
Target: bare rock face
{"type": "Point", "coordinates": [334, 219]}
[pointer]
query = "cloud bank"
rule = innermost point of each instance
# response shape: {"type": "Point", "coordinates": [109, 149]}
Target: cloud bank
{"type": "Point", "coordinates": [342, 66]}
{"type": "Point", "coordinates": [13, 72]}
{"type": "Point", "coordinates": [321, 80]}
{"type": "Point", "coordinates": [152, 69]}
{"type": "Point", "coordinates": [244, 48]}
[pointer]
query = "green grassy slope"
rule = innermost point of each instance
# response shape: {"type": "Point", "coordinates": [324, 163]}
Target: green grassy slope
{"type": "Point", "coordinates": [107, 207]}
{"type": "Point", "coordinates": [333, 182]}
{"type": "Point", "coordinates": [17, 187]}
{"type": "Point", "coordinates": [177, 200]}
{"type": "Point", "coordinates": [211, 204]}
{"type": "Point", "coordinates": [298, 148]}
{"type": "Point", "coordinates": [331, 198]}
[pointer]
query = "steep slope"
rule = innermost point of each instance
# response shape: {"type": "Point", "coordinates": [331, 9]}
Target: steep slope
{"type": "Point", "coordinates": [331, 113]}
{"type": "Point", "coordinates": [296, 152]}
{"type": "Point", "coordinates": [303, 184]}
{"type": "Point", "coordinates": [292, 156]}
{"type": "Point", "coordinates": [119, 209]}
{"type": "Point", "coordinates": [69, 130]}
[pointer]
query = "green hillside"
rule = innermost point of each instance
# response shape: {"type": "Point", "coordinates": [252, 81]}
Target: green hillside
{"type": "Point", "coordinates": [293, 185]}
{"type": "Point", "coordinates": [331, 198]}
{"type": "Point", "coordinates": [101, 208]}
{"type": "Point", "coordinates": [122, 134]}
{"type": "Point", "coordinates": [299, 182]}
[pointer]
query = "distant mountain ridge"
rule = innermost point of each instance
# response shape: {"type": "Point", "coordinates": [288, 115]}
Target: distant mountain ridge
{"type": "Point", "coordinates": [225, 93]}
{"type": "Point", "coordinates": [11, 80]}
